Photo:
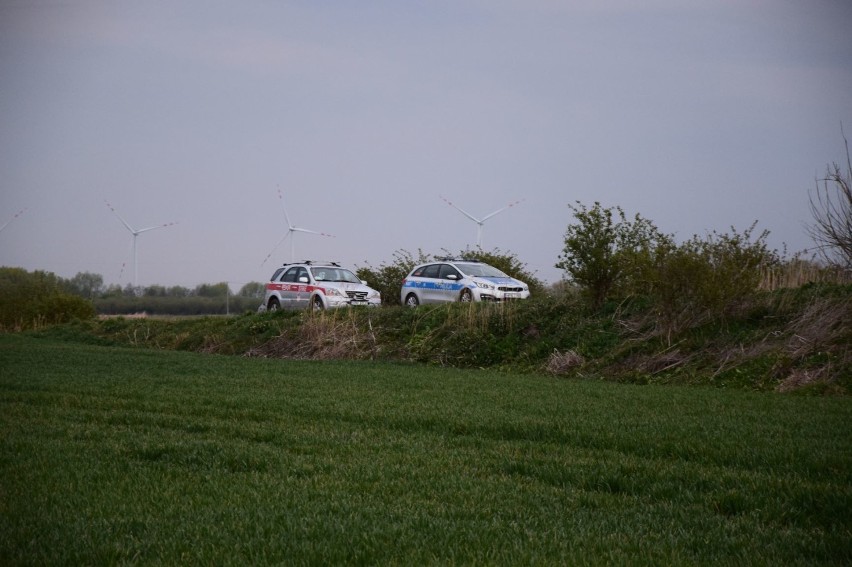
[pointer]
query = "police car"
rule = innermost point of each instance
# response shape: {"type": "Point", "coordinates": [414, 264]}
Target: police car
{"type": "Point", "coordinates": [310, 285]}
{"type": "Point", "coordinates": [448, 279]}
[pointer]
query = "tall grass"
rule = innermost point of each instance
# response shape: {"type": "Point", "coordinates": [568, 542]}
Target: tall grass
{"type": "Point", "coordinates": [798, 272]}
{"type": "Point", "coordinates": [116, 455]}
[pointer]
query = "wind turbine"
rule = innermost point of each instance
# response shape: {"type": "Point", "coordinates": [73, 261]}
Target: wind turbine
{"type": "Point", "coordinates": [16, 215]}
{"type": "Point", "coordinates": [291, 229]}
{"type": "Point", "coordinates": [135, 233]}
{"type": "Point", "coordinates": [481, 221]}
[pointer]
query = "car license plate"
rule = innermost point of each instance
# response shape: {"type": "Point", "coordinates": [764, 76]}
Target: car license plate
{"type": "Point", "coordinates": [356, 302]}
{"type": "Point", "coordinates": [512, 295]}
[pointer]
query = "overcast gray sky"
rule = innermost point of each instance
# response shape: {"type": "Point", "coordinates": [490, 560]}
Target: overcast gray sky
{"type": "Point", "coordinates": [697, 115]}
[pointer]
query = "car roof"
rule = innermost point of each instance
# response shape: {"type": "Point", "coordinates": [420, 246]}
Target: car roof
{"type": "Point", "coordinates": [324, 264]}
{"type": "Point", "coordinates": [450, 260]}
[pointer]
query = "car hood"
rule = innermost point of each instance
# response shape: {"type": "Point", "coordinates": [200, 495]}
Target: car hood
{"type": "Point", "coordinates": [346, 286]}
{"type": "Point", "coordinates": [501, 280]}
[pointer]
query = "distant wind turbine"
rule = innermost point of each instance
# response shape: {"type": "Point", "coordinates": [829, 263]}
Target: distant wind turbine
{"type": "Point", "coordinates": [16, 215]}
{"type": "Point", "coordinates": [291, 229]}
{"type": "Point", "coordinates": [135, 233]}
{"type": "Point", "coordinates": [480, 222]}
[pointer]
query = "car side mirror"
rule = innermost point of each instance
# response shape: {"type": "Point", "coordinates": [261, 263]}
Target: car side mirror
{"type": "Point", "coordinates": [303, 279]}
{"type": "Point", "coordinates": [364, 282]}
{"type": "Point", "coordinates": [452, 276]}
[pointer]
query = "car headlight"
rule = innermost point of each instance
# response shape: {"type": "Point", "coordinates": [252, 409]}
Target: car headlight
{"type": "Point", "coordinates": [333, 292]}
{"type": "Point", "coordinates": [374, 294]}
{"type": "Point", "coordinates": [484, 285]}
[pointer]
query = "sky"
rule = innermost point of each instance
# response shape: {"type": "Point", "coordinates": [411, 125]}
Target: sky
{"type": "Point", "coordinates": [357, 118]}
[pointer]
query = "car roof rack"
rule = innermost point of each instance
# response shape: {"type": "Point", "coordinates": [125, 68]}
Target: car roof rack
{"type": "Point", "coordinates": [454, 259]}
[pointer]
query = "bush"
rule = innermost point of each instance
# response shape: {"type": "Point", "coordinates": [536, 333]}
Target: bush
{"type": "Point", "coordinates": [605, 252]}
{"type": "Point", "coordinates": [387, 278]}
{"type": "Point", "coordinates": [30, 300]}
{"type": "Point", "coordinates": [705, 277]}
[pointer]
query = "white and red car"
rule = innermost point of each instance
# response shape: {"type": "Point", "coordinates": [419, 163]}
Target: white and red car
{"type": "Point", "coordinates": [309, 285]}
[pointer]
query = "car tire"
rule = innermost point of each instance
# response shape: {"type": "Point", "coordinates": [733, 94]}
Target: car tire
{"type": "Point", "coordinates": [466, 296]}
{"type": "Point", "coordinates": [274, 305]}
{"type": "Point", "coordinates": [411, 300]}
{"type": "Point", "coordinates": [317, 304]}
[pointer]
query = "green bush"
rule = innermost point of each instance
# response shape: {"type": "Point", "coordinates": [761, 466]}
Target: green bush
{"type": "Point", "coordinates": [31, 300]}
{"type": "Point", "coordinates": [605, 253]}
{"type": "Point", "coordinates": [704, 278]}
{"type": "Point", "coordinates": [387, 278]}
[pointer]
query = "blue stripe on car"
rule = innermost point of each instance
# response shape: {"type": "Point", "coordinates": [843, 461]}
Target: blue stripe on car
{"type": "Point", "coordinates": [434, 285]}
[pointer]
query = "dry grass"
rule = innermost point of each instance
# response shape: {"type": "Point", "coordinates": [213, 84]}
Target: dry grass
{"type": "Point", "coordinates": [563, 362]}
{"type": "Point", "coordinates": [797, 273]}
{"type": "Point", "coordinates": [327, 335]}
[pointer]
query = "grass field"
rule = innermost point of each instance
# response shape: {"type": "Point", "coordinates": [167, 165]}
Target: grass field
{"type": "Point", "coordinates": [119, 455]}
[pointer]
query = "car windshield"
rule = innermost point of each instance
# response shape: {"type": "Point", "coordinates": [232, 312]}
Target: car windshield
{"type": "Point", "coordinates": [481, 271]}
{"type": "Point", "coordinates": [329, 274]}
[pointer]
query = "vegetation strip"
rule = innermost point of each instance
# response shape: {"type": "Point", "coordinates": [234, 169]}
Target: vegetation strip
{"type": "Point", "coordinates": [117, 455]}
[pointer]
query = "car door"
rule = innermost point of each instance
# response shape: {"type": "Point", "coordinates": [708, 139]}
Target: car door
{"type": "Point", "coordinates": [449, 281]}
{"type": "Point", "coordinates": [430, 284]}
{"type": "Point", "coordinates": [289, 288]}
{"type": "Point", "coordinates": [301, 289]}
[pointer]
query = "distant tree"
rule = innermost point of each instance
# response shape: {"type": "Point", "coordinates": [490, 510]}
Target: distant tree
{"type": "Point", "coordinates": [132, 291]}
{"type": "Point", "coordinates": [178, 291]}
{"type": "Point", "coordinates": [112, 290]}
{"type": "Point", "coordinates": [154, 291]}
{"type": "Point", "coordinates": [831, 209]}
{"type": "Point", "coordinates": [212, 290]}
{"type": "Point", "coordinates": [253, 289]}
{"type": "Point", "coordinates": [85, 284]}
{"type": "Point", "coordinates": [604, 251]}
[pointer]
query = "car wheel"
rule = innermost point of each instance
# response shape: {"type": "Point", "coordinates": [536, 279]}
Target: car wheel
{"type": "Point", "coordinates": [411, 300]}
{"type": "Point", "coordinates": [317, 304]}
{"type": "Point", "coordinates": [273, 304]}
{"type": "Point", "coordinates": [466, 296]}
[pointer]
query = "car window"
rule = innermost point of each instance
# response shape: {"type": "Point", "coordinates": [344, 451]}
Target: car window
{"type": "Point", "coordinates": [291, 274]}
{"type": "Point", "coordinates": [431, 271]}
{"type": "Point", "coordinates": [447, 271]}
{"type": "Point", "coordinates": [276, 275]}
{"type": "Point", "coordinates": [327, 274]}
{"type": "Point", "coordinates": [481, 270]}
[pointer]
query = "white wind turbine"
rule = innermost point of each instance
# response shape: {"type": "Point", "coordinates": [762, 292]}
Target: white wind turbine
{"type": "Point", "coordinates": [135, 233]}
{"type": "Point", "coordinates": [480, 222]}
{"type": "Point", "coordinates": [16, 215]}
{"type": "Point", "coordinates": [291, 229]}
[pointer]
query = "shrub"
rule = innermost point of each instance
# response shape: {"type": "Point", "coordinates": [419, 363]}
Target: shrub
{"type": "Point", "coordinates": [605, 252]}
{"type": "Point", "coordinates": [30, 300]}
{"type": "Point", "coordinates": [704, 277]}
{"type": "Point", "coordinates": [831, 208]}
{"type": "Point", "coordinates": [387, 278]}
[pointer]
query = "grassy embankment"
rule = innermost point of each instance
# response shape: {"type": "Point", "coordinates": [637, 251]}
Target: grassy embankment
{"type": "Point", "coordinates": [121, 455]}
{"type": "Point", "coordinates": [786, 340]}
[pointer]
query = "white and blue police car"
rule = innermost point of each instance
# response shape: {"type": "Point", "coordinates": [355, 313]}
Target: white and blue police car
{"type": "Point", "coordinates": [448, 279]}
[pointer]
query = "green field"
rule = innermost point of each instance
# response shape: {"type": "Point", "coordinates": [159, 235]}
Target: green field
{"type": "Point", "coordinates": [119, 455]}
